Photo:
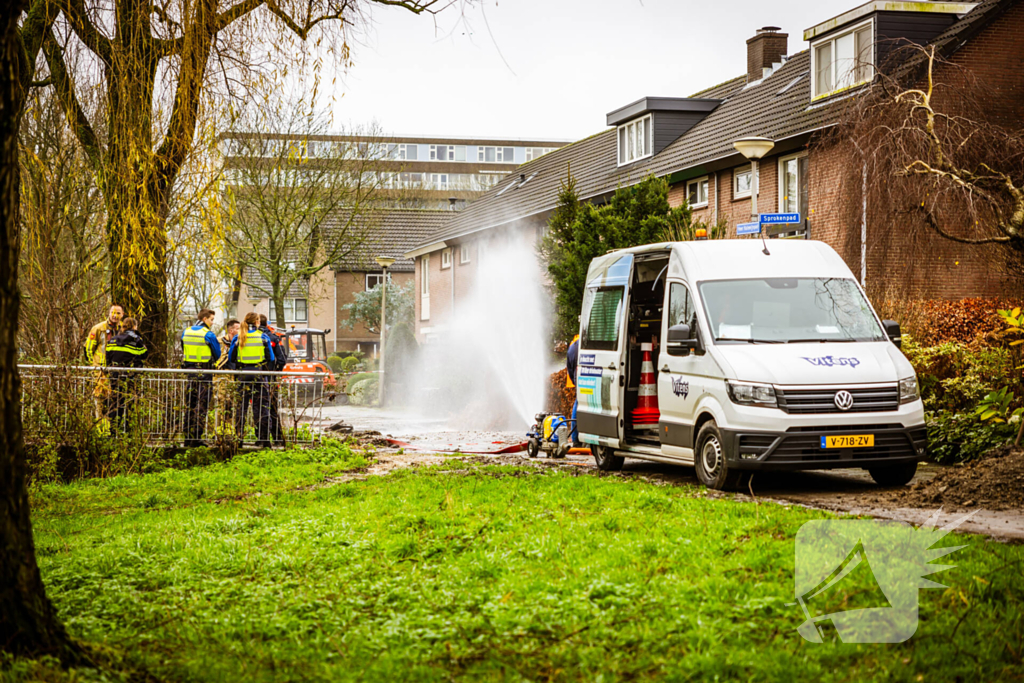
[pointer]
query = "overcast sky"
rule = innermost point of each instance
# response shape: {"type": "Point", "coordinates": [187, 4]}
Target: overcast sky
{"type": "Point", "coordinates": [569, 62]}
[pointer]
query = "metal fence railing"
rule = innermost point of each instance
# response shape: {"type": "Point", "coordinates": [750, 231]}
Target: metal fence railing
{"type": "Point", "coordinates": [174, 406]}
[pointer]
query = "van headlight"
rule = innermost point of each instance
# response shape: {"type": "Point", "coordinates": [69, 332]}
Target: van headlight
{"type": "Point", "coordinates": [908, 390]}
{"type": "Point", "coordinates": [750, 394]}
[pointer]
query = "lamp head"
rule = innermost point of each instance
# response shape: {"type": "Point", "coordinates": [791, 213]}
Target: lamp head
{"type": "Point", "coordinates": [754, 147]}
{"type": "Point", "coordinates": [385, 261]}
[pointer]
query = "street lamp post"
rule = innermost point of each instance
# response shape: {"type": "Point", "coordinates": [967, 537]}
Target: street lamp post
{"type": "Point", "coordinates": [384, 262]}
{"type": "Point", "coordinates": [754, 148]}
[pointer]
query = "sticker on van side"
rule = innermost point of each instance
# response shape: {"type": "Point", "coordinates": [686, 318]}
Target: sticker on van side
{"type": "Point", "coordinates": [587, 359]}
{"type": "Point", "coordinates": [832, 361]}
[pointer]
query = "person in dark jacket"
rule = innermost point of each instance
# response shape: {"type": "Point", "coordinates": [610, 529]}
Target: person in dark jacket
{"type": "Point", "coordinates": [279, 342]}
{"type": "Point", "coordinates": [201, 352]}
{"type": "Point", "coordinates": [251, 350]}
{"type": "Point", "coordinates": [124, 350]}
{"type": "Point", "coordinates": [572, 355]}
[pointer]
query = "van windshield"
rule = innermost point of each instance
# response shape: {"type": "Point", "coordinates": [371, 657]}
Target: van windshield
{"type": "Point", "coordinates": [788, 310]}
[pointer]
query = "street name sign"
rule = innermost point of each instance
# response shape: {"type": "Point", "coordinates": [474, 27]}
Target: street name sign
{"type": "Point", "coordinates": [748, 228]}
{"type": "Point", "coordinates": [779, 218]}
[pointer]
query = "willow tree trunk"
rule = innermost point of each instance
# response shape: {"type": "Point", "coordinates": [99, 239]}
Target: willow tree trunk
{"type": "Point", "coordinates": [133, 181]}
{"type": "Point", "coordinates": [28, 620]}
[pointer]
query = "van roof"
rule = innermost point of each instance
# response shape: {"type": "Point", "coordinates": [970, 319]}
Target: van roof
{"type": "Point", "coordinates": [743, 258]}
{"type": "Point", "coordinates": [718, 259]}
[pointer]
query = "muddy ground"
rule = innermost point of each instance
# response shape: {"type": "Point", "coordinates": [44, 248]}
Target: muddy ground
{"type": "Point", "coordinates": [992, 489]}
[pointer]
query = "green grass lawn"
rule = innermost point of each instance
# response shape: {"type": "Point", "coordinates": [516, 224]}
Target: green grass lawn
{"type": "Point", "coordinates": [246, 571]}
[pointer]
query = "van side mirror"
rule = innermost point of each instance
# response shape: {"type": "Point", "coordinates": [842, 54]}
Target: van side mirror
{"type": "Point", "coordinates": [892, 331]}
{"type": "Point", "coordinates": [680, 342]}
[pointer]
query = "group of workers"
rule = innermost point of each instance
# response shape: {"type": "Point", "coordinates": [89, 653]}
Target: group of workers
{"type": "Point", "coordinates": [251, 346]}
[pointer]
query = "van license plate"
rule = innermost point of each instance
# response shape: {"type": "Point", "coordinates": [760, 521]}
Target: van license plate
{"type": "Point", "coordinates": [848, 441]}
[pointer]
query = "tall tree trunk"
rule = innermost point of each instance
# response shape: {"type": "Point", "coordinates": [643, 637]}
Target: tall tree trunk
{"type": "Point", "coordinates": [28, 620]}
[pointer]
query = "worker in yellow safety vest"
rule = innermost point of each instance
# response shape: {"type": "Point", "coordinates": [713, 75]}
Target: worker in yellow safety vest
{"type": "Point", "coordinates": [201, 351]}
{"type": "Point", "coordinates": [252, 351]}
{"type": "Point", "coordinates": [96, 354]}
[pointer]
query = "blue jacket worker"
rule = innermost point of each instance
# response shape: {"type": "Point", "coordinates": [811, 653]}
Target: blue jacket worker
{"type": "Point", "coordinates": [252, 350]}
{"type": "Point", "coordinates": [200, 352]}
{"type": "Point", "coordinates": [279, 342]}
{"type": "Point", "coordinates": [572, 355]}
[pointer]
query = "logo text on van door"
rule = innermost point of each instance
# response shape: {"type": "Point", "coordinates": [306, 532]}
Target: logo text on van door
{"type": "Point", "coordinates": [680, 388]}
{"type": "Point", "coordinates": [832, 361]}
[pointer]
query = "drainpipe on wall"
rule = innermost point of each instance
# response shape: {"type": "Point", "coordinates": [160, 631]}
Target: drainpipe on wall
{"type": "Point", "coordinates": [714, 218]}
{"type": "Point", "coordinates": [864, 225]}
{"type": "Point", "coordinates": [335, 328]}
{"type": "Point", "coordinates": [452, 321]}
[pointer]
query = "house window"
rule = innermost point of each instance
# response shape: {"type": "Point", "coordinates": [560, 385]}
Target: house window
{"type": "Point", "coordinates": [537, 152]}
{"type": "Point", "coordinates": [446, 258]}
{"type": "Point", "coordinates": [439, 181]}
{"type": "Point", "coordinates": [742, 178]}
{"type": "Point", "coordinates": [406, 152]}
{"type": "Point", "coordinates": [294, 311]}
{"type": "Point", "coordinates": [463, 253]}
{"type": "Point", "coordinates": [497, 155]}
{"type": "Point", "coordinates": [374, 279]}
{"type": "Point", "coordinates": [843, 61]}
{"type": "Point", "coordinates": [793, 195]}
{"type": "Point", "coordinates": [425, 287]}
{"type": "Point", "coordinates": [697, 192]}
{"type": "Point", "coordinates": [635, 140]}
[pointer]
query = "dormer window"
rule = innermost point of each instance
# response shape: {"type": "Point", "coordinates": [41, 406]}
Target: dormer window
{"type": "Point", "coordinates": [843, 60]}
{"type": "Point", "coordinates": [635, 140]}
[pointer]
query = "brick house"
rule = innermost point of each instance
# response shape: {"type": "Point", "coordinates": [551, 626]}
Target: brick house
{"type": "Point", "coordinates": [320, 302]}
{"type": "Point", "coordinates": [792, 99]}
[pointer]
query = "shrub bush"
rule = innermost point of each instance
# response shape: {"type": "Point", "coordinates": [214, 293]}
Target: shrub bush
{"type": "Point", "coordinates": [363, 392]}
{"type": "Point", "coordinates": [957, 437]}
{"type": "Point", "coordinates": [360, 376]}
{"type": "Point", "coordinates": [350, 364]}
{"type": "Point", "coordinates": [936, 322]}
{"type": "Point", "coordinates": [954, 376]}
{"type": "Point", "coordinates": [335, 363]}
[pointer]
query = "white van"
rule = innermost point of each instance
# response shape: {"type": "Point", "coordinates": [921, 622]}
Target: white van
{"type": "Point", "coordinates": [762, 361]}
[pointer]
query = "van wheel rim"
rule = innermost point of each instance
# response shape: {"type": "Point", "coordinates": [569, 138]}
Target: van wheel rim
{"type": "Point", "coordinates": [711, 456]}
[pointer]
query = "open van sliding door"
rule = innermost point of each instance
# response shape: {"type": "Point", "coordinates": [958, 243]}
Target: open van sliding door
{"type": "Point", "coordinates": [600, 371]}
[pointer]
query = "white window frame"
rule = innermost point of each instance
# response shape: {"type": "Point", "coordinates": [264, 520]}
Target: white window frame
{"type": "Point", "coordinates": [439, 181]}
{"type": "Point", "coordinates": [799, 181]}
{"type": "Point", "coordinates": [537, 152]}
{"type": "Point", "coordinates": [446, 259]}
{"type": "Point", "coordinates": [425, 287]}
{"type": "Point", "coordinates": [499, 154]}
{"type": "Point", "coordinates": [377, 278]}
{"type": "Point", "coordinates": [463, 254]}
{"type": "Point", "coordinates": [449, 153]}
{"type": "Point", "coordinates": [738, 171]}
{"type": "Point", "coordinates": [289, 311]}
{"type": "Point", "coordinates": [403, 152]}
{"type": "Point", "coordinates": [707, 191]}
{"type": "Point", "coordinates": [831, 40]}
{"type": "Point", "coordinates": [632, 137]}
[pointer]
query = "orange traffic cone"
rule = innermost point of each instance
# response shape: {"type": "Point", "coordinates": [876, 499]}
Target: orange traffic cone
{"type": "Point", "coordinates": [647, 414]}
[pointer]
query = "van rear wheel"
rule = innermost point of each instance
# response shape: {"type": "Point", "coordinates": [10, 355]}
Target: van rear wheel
{"type": "Point", "coordinates": [893, 475]}
{"type": "Point", "coordinates": [710, 461]}
{"type": "Point", "coordinates": [606, 459]}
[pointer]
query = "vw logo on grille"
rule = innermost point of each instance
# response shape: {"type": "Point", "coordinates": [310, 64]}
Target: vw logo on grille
{"type": "Point", "coordinates": [843, 400]}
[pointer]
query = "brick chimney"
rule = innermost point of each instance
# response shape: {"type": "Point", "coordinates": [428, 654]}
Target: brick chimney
{"type": "Point", "coordinates": [764, 49]}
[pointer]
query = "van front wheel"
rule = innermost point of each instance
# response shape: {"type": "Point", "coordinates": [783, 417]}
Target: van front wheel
{"type": "Point", "coordinates": [893, 475]}
{"type": "Point", "coordinates": [606, 459]}
{"type": "Point", "coordinates": [710, 462]}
